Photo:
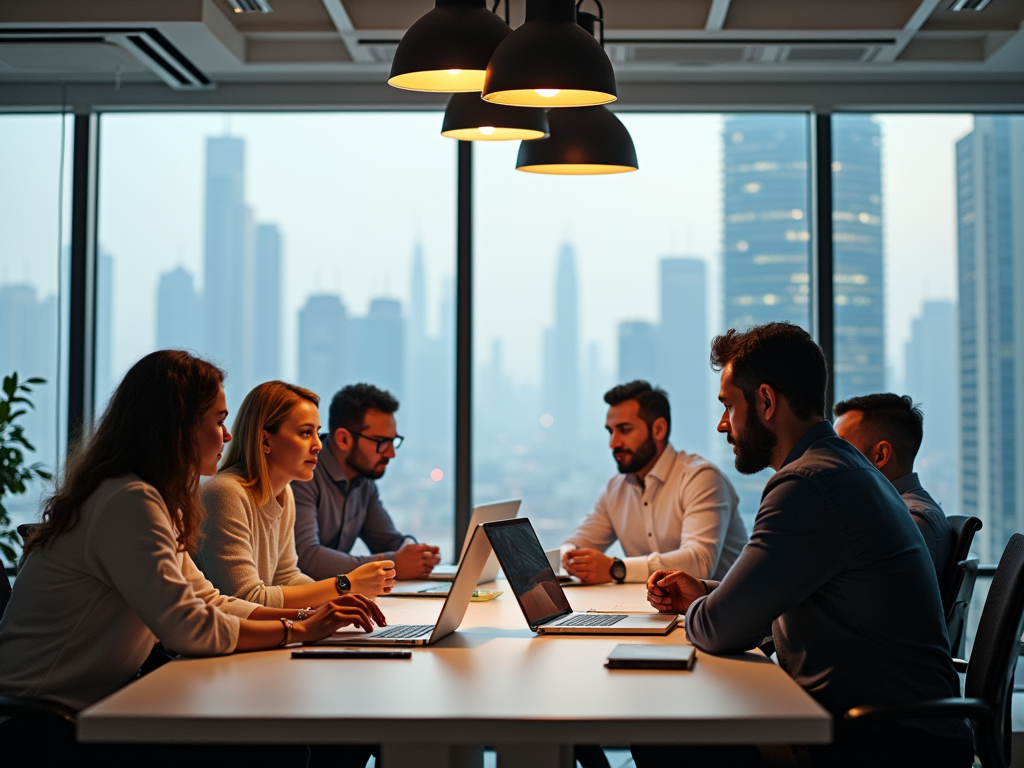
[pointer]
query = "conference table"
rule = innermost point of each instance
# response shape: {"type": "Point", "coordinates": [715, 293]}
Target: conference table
{"type": "Point", "coordinates": [493, 683]}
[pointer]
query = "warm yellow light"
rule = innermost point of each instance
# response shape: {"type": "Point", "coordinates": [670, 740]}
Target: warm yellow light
{"type": "Point", "coordinates": [441, 80]}
{"type": "Point", "coordinates": [486, 130]}
{"type": "Point", "coordinates": [496, 134]}
{"type": "Point", "coordinates": [581, 169]}
{"type": "Point", "coordinates": [549, 97]}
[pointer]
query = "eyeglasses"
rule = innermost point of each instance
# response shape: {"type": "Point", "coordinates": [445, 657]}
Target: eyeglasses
{"type": "Point", "coordinates": [383, 443]}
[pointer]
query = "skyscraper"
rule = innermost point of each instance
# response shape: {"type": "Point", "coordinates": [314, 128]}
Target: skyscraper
{"type": "Point", "coordinates": [765, 237]}
{"type": "Point", "coordinates": [561, 351]}
{"type": "Point", "coordinates": [683, 350]}
{"type": "Point", "coordinates": [931, 381]}
{"type": "Point", "coordinates": [857, 256]}
{"type": "Point", "coordinates": [378, 346]}
{"type": "Point", "coordinates": [178, 314]}
{"type": "Point", "coordinates": [28, 327]}
{"type": "Point", "coordinates": [323, 347]}
{"type": "Point", "coordinates": [266, 318]}
{"type": "Point", "coordinates": [990, 244]}
{"type": "Point", "coordinates": [638, 351]}
{"type": "Point", "coordinates": [227, 263]}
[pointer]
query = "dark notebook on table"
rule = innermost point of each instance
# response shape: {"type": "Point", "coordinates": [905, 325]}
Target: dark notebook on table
{"type": "Point", "coordinates": [639, 656]}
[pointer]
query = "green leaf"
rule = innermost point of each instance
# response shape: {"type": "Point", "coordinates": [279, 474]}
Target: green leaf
{"type": "Point", "coordinates": [36, 380]}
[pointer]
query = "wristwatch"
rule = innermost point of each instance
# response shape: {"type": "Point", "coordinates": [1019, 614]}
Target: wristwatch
{"type": "Point", "coordinates": [344, 585]}
{"type": "Point", "coordinates": [618, 570]}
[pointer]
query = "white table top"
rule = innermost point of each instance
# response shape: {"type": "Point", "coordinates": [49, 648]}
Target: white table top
{"type": "Point", "coordinates": [491, 681]}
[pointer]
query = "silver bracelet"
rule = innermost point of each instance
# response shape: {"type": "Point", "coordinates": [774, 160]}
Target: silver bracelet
{"type": "Point", "coordinates": [288, 624]}
{"type": "Point", "coordinates": [303, 614]}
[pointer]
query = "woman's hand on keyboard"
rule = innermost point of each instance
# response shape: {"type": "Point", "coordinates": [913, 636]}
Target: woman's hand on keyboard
{"type": "Point", "coordinates": [348, 610]}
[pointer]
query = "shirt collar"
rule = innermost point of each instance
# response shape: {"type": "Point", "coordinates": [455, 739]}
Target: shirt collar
{"type": "Point", "coordinates": [663, 466]}
{"type": "Point", "coordinates": [907, 483]}
{"type": "Point", "coordinates": [330, 464]}
{"type": "Point", "coordinates": [819, 431]}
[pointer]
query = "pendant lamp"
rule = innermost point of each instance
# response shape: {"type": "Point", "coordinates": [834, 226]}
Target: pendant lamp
{"type": "Point", "coordinates": [550, 61]}
{"type": "Point", "coordinates": [470, 118]}
{"type": "Point", "coordinates": [584, 141]}
{"type": "Point", "coordinates": [448, 48]}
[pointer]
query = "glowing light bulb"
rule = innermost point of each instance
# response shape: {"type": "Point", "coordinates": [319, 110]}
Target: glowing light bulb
{"type": "Point", "coordinates": [486, 130]}
{"type": "Point", "coordinates": [454, 71]}
{"type": "Point", "coordinates": [547, 93]}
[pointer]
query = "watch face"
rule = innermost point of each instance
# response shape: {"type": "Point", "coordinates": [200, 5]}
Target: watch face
{"type": "Point", "coordinates": [618, 570]}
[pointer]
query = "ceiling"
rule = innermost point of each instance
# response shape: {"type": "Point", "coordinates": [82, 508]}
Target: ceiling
{"type": "Point", "coordinates": [199, 52]}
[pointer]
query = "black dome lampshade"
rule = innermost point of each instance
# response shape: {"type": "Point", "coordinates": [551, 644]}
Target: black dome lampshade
{"type": "Point", "coordinates": [470, 118]}
{"type": "Point", "coordinates": [584, 141]}
{"type": "Point", "coordinates": [550, 61]}
{"type": "Point", "coordinates": [448, 48]}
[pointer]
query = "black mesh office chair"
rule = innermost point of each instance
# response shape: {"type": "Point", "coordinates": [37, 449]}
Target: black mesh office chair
{"type": "Point", "coordinates": [957, 585]}
{"type": "Point", "coordinates": [988, 689]}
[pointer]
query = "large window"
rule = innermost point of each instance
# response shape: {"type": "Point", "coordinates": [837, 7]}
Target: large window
{"type": "Point", "coordinates": [317, 248]}
{"type": "Point", "coordinates": [34, 220]}
{"type": "Point", "coordinates": [585, 282]}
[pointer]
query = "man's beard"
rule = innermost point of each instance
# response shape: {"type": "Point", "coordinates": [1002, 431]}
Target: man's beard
{"type": "Point", "coordinates": [369, 471]}
{"type": "Point", "coordinates": [637, 460]}
{"type": "Point", "coordinates": [755, 445]}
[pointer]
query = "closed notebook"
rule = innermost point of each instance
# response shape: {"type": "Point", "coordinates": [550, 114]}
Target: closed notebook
{"type": "Point", "coordinates": [640, 656]}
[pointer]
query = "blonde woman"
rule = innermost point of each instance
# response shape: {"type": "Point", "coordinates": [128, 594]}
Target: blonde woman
{"type": "Point", "coordinates": [248, 548]}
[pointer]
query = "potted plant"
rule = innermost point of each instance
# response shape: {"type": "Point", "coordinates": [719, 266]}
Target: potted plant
{"type": "Point", "coordinates": [14, 472]}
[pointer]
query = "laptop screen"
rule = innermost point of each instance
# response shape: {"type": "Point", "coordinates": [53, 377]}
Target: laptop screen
{"type": "Point", "coordinates": [527, 570]}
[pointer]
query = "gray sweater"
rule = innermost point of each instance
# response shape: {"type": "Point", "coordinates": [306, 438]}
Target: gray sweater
{"type": "Point", "coordinates": [248, 550]}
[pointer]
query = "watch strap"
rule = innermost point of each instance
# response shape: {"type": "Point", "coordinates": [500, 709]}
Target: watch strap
{"type": "Point", "coordinates": [343, 584]}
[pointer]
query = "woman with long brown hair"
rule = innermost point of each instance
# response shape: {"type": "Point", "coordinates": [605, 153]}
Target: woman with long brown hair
{"type": "Point", "coordinates": [108, 572]}
{"type": "Point", "coordinates": [248, 547]}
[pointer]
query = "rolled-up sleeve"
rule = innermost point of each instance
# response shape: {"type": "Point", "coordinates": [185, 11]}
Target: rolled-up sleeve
{"type": "Point", "coordinates": [596, 531]}
{"type": "Point", "coordinates": [134, 545]}
{"type": "Point", "coordinates": [794, 549]}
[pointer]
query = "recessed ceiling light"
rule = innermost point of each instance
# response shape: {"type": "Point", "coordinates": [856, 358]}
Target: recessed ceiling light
{"type": "Point", "coordinates": [969, 5]}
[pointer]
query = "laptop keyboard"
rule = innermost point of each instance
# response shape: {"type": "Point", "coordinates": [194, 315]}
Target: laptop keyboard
{"type": "Point", "coordinates": [406, 631]}
{"type": "Point", "coordinates": [443, 589]}
{"type": "Point", "coordinates": [593, 620]}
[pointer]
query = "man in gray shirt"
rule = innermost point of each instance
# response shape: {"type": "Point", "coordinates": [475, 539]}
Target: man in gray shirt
{"type": "Point", "coordinates": [835, 570]}
{"type": "Point", "coordinates": [341, 503]}
{"type": "Point", "coordinates": [888, 429]}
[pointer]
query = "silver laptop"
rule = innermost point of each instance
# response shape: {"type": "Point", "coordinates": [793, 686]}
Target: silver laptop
{"type": "Point", "coordinates": [484, 513]}
{"type": "Point", "coordinates": [473, 558]}
{"type": "Point", "coordinates": [541, 598]}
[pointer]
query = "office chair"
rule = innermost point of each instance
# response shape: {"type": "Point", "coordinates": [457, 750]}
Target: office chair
{"type": "Point", "coordinates": [957, 584]}
{"type": "Point", "coordinates": [988, 689]}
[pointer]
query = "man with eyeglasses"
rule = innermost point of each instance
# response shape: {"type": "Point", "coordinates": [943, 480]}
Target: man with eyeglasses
{"type": "Point", "coordinates": [341, 503]}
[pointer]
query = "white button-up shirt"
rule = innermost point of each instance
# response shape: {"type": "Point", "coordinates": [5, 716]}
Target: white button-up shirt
{"type": "Point", "coordinates": [685, 516]}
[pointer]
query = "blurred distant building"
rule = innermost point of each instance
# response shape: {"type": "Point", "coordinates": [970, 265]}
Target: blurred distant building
{"type": "Point", "coordinates": [683, 350]}
{"type": "Point", "coordinates": [178, 311]}
{"type": "Point", "coordinates": [323, 348]}
{"type": "Point", "coordinates": [266, 313]}
{"type": "Point", "coordinates": [638, 351]}
{"type": "Point", "coordinates": [378, 348]}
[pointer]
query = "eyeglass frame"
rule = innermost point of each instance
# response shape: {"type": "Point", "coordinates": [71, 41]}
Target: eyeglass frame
{"type": "Point", "coordinates": [396, 441]}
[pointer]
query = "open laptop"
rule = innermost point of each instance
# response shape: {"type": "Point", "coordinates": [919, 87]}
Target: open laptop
{"type": "Point", "coordinates": [541, 598]}
{"type": "Point", "coordinates": [485, 513]}
{"type": "Point", "coordinates": [452, 612]}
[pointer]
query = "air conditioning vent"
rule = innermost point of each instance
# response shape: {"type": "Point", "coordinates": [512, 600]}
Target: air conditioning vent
{"type": "Point", "coordinates": [825, 53]}
{"type": "Point", "coordinates": [681, 53]}
{"type": "Point", "coordinates": [100, 52]}
{"type": "Point", "coordinates": [250, 6]}
{"type": "Point", "coordinates": [969, 5]}
{"type": "Point", "coordinates": [381, 51]}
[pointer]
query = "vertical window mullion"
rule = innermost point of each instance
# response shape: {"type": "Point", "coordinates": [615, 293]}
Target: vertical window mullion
{"type": "Point", "coordinates": [464, 344]}
{"type": "Point", "coordinates": [822, 294]}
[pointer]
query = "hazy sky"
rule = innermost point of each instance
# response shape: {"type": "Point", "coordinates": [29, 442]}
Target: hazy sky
{"type": "Point", "coordinates": [353, 192]}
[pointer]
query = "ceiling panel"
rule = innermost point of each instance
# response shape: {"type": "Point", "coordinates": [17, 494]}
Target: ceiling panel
{"type": "Point", "coordinates": [846, 15]}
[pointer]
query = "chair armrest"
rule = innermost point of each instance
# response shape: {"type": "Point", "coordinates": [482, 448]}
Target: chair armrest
{"type": "Point", "coordinates": [976, 709]}
{"type": "Point", "coordinates": [960, 665]}
{"type": "Point", "coordinates": [24, 706]}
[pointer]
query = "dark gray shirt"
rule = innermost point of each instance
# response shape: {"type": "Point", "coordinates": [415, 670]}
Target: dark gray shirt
{"type": "Point", "coordinates": [839, 575]}
{"type": "Point", "coordinates": [331, 513]}
{"type": "Point", "coordinates": [931, 521]}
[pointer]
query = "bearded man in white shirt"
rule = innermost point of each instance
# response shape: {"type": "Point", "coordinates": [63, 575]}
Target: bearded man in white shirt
{"type": "Point", "coordinates": [668, 508]}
